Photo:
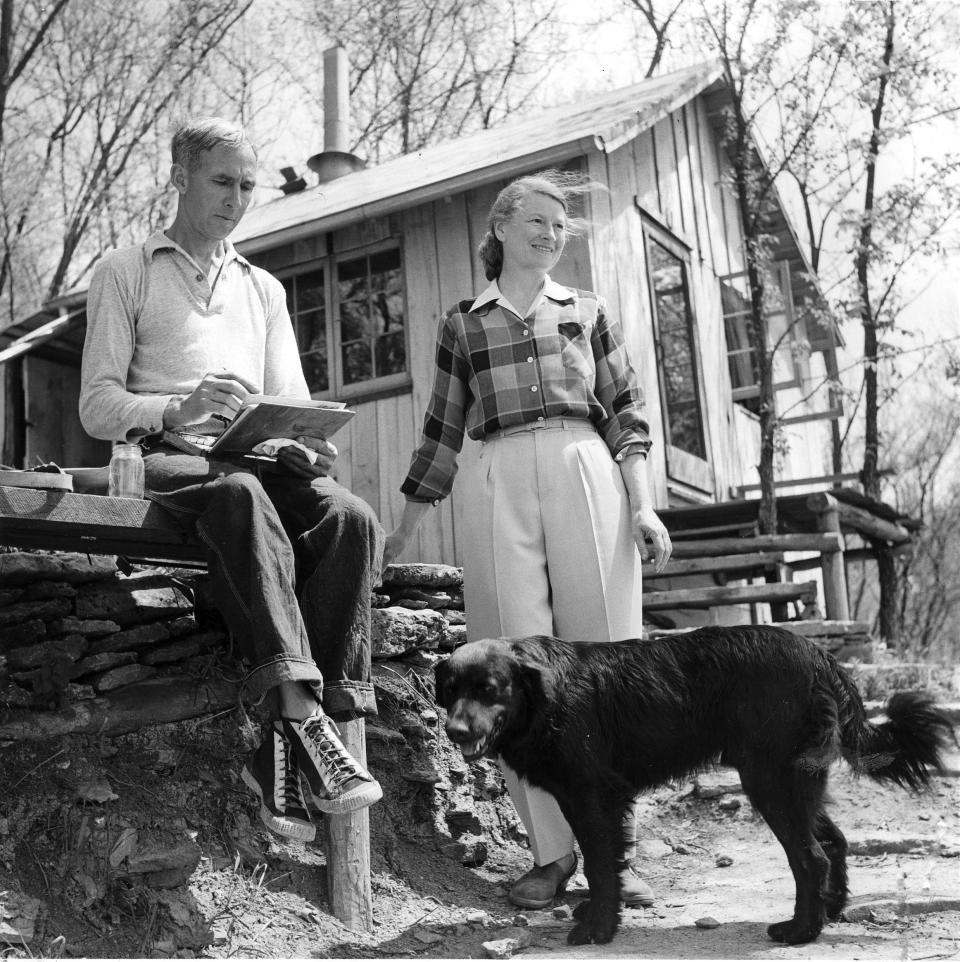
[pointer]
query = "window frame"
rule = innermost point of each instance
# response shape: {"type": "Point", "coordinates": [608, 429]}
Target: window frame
{"type": "Point", "coordinates": [683, 467]}
{"type": "Point", "coordinates": [746, 393]}
{"type": "Point", "coordinates": [360, 390]}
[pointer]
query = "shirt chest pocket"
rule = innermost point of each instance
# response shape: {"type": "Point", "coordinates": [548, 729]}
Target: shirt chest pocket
{"type": "Point", "coordinates": [575, 352]}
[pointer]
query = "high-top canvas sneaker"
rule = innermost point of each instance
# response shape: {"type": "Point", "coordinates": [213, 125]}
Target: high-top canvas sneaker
{"type": "Point", "coordinates": [337, 781]}
{"type": "Point", "coordinates": [273, 775]}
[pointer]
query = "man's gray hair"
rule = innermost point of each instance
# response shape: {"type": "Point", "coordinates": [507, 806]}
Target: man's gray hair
{"type": "Point", "coordinates": [194, 137]}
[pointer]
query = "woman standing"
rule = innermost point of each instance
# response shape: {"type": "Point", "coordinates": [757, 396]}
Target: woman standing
{"type": "Point", "coordinates": [558, 503]}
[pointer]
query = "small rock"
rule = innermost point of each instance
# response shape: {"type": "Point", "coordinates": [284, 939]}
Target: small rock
{"type": "Point", "coordinates": [707, 922]}
{"type": "Point", "coordinates": [724, 861]}
{"type": "Point", "coordinates": [426, 936]}
{"type": "Point", "coordinates": [478, 918]}
{"type": "Point", "coordinates": [562, 912]}
{"type": "Point", "coordinates": [715, 784]}
{"type": "Point", "coordinates": [501, 948]}
{"type": "Point", "coordinates": [729, 805]}
{"type": "Point", "coordinates": [521, 921]}
{"type": "Point", "coordinates": [427, 776]}
{"type": "Point", "coordinates": [653, 848]}
{"type": "Point", "coordinates": [96, 790]}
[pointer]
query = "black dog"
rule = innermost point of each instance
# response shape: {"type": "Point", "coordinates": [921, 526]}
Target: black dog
{"type": "Point", "coordinates": [594, 724]}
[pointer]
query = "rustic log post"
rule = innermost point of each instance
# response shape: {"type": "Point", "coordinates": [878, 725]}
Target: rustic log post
{"type": "Point", "coordinates": [348, 848]}
{"type": "Point", "coordinates": [832, 563]}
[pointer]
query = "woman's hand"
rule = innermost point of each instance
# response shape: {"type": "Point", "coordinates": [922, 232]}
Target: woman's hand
{"type": "Point", "coordinates": [645, 524]}
{"type": "Point", "coordinates": [400, 537]}
{"type": "Point", "coordinates": [394, 546]}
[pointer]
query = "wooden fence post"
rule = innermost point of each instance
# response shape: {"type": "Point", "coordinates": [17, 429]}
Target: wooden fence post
{"type": "Point", "coordinates": [348, 848]}
{"type": "Point", "coordinates": [832, 563]}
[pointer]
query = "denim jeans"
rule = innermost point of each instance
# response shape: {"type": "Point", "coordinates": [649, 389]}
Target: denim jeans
{"type": "Point", "coordinates": [292, 563]}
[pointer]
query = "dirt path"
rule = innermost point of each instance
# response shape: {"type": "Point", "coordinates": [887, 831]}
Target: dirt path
{"type": "Point", "coordinates": [253, 896]}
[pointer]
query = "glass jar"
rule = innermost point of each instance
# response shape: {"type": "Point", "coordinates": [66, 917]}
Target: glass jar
{"type": "Point", "coordinates": [126, 472]}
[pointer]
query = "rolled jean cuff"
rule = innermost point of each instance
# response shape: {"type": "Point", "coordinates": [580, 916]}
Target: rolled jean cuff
{"type": "Point", "coordinates": [346, 700]}
{"type": "Point", "coordinates": [262, 678]}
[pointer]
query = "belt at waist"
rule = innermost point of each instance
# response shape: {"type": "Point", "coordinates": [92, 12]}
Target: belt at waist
{"type": "Point", "coordinates": [544, 424]}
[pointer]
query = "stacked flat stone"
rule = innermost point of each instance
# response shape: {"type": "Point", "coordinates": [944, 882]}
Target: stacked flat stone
{"type": "Point", "coordinates": [72, 627]}
{"type": "Point", "coordinates": [418, 607]}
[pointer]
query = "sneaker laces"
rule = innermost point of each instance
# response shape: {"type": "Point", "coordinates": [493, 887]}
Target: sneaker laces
{"type": "Point", "coordinates": [286, 773]}
{"type": "Point", "coordinates": [342, 765]}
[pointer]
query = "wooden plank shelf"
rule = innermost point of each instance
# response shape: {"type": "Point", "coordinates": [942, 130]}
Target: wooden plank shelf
{"type": "Point", "coordinates": [737, 563]}
{"type": "Point", "coordinates": [805, 591]}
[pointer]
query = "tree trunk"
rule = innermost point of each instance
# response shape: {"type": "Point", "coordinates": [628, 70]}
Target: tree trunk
{"type": "Point", "coordinates": [886, 569]}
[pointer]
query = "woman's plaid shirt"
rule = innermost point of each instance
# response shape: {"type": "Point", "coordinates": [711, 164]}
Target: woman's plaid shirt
{"type": "Point", "coordinates": [495, 370]}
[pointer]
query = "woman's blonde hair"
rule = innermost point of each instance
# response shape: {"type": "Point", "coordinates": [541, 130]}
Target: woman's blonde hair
{"type": "Point", "coordinates": [563, 186]}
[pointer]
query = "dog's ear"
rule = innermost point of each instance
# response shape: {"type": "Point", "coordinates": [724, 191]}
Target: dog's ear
{"type": "Point", "coordinates": [534, 669]}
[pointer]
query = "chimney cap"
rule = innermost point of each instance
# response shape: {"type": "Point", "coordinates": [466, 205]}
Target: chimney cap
{"type": "Point", "coordinates": [332, 164]}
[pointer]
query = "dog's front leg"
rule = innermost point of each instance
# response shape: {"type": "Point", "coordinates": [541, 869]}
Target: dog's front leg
{"type": "Point", "coordinates": [599, 832]}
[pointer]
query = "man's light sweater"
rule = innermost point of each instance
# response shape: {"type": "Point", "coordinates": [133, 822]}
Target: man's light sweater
{"type": "Point", "coordinates": [155, 329]}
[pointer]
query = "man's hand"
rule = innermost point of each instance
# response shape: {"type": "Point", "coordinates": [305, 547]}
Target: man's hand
{"type": "Point", "coordinates": [217, 395]}
{"type": "Point", "coordinates": [296, 462]}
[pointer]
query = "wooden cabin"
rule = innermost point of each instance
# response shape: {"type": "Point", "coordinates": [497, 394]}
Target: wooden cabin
{"type": "Point", "coordinates": [372, 258]}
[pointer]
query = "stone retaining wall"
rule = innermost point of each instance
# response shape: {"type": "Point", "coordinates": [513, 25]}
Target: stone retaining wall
{"type": "Point", "coordinates": [75, 629]}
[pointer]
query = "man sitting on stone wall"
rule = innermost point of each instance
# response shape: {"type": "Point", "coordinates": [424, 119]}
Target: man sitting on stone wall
{"type": "Point", "coordinates": [181, 329]}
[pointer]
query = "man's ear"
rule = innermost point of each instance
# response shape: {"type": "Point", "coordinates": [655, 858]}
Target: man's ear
{"type": "Point", "coordinates": [178, 177]}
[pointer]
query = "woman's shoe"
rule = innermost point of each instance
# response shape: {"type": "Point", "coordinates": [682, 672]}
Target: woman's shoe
{"type": "Point", "coordinates": [542, 884]}
{"type": "Point", "coordinates": [633, 890]}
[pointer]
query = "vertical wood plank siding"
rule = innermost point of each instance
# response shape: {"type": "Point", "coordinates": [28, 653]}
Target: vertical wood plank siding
{"type": "Point", "coordinates": [674, 171]}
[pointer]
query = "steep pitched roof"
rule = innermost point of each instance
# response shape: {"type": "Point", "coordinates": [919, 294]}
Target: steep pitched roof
{"type": "Point", "coordinates": [598, 122]}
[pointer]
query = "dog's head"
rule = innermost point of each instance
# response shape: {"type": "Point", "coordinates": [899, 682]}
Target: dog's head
{"type": "Point", "coordinates": [491, 690]}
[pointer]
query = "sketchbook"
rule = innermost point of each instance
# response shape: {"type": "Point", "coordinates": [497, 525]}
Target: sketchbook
{"type": "Point", "coordinates": [262, 417]}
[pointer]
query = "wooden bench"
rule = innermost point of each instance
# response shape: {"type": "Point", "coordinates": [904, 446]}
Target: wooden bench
{"type": "Point", "coordinates": [142, 531]}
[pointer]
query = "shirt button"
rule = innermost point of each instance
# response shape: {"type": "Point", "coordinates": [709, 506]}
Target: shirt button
{"type": "Point", "coordinates": [534, 388]}
{"type": "Point", "coordinates": [540, 418]}
{"type": "Point", "coordinates": [199, 277]}
{"type": "Point", "coordinates": [525, 332]}
{"type": "Point", "coordinates": [529, 360]}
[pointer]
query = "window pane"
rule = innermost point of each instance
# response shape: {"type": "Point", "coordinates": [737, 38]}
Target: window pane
{"type": "Point", "coordinates": [314, 366]}
{"type": "Point", "coordinates": [357, 362]}
{"type": "Point", "coordinates": [371, 316]}
{"type": "Point", "coordinates": [675, 332]}
{"type": "Point", "coordinates": [354, 321]}
{"type": "Point", "coordinates": [352, 279]}
{"type": "Point", "coordinates": [391, 354]}
{"type": "Point", "coordinates": [310, 290]}
{"type": "Point", "coordinates": [306, 303]}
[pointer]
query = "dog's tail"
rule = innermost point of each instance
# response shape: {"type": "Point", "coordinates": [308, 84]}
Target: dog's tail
{"type": "Point", "coordinates": [904, 749]}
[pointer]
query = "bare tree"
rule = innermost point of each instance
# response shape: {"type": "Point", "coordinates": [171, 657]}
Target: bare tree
{"type": "Point", "coordinates": [764, 63]}
{"type": "Point", "coordinates": [87, 91]}
{"type": "Point", "coordinates": [427, 70]}
{"type": "Point", "coordinates": [103, 80]}
{"type": "Point", "coordinates": [659, 26]}
{"type": "Point", "coordinates": [889, 217]}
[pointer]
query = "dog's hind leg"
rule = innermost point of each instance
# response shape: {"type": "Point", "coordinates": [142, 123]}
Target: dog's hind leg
{"type": "Point", "coordinates": [834, 845]}
{"type": "Point", "coordinates": [789, 801]}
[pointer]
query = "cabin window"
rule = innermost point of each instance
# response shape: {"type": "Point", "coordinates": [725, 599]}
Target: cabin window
{"type": "Point", "coordinates": [742, 361]}
{"type": "Point", "coordinates": [678, 358]}
{"type": "Point", "coordinates": [349, 316]}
